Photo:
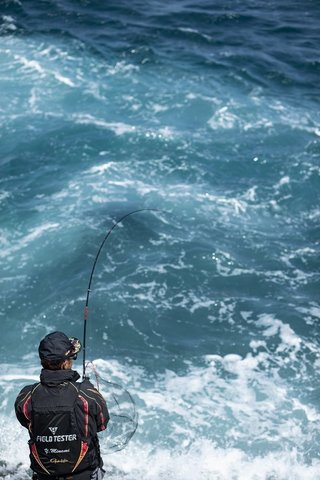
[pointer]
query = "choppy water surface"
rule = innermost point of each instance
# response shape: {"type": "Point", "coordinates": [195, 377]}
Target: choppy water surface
{"type": "Point", "coordinates": [207, 311]}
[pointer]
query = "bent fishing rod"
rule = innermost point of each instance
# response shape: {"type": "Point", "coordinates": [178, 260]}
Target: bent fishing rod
{"type": "Point", "coordinates": [86, 308]}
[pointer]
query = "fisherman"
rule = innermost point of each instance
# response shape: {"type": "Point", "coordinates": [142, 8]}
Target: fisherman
{"type": "Point", "coordinates": [62, 416]}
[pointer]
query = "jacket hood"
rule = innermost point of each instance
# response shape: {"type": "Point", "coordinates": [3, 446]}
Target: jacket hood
{"type": "Point", "coordinates": [52, 378]}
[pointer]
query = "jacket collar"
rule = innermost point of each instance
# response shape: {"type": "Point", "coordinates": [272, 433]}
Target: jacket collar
{"type": "Point", "coordinates": [55, 377]}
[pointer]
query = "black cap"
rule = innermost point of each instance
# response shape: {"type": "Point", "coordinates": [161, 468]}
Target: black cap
{"type": "Point", "coordinates": [57, 346]}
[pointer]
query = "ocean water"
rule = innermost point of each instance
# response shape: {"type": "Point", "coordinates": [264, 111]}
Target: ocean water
{"type": "Point", "coordinates": [207, 310]}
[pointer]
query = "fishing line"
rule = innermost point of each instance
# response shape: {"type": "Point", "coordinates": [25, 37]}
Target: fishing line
{"type": "Point", "coordinates": [121, 405]}
{"type": "Point", "coordinates": [86, 308]}
{"type": "Point", "coordinates": [122, 411]}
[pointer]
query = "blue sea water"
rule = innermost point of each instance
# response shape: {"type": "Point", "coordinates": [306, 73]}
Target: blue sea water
{"type": "Point", "coordinates": [207, 310]}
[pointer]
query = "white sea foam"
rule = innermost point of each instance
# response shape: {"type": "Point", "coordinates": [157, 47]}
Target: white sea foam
{"type": "Point", "coordinates": [225, 204]}
{"type": "Point", "coordinates": [118, 128]}
{"type": "Point", "coordinates": [100, 169]}
{"type": "Point", "coordinates": [122, 68]}
{"type": "Point", "coordinates": [33, 235]}
{"type": "Point", "coordinates": [223, 118]}
{"type": "Point", "coordinates": [159, 108]}
{"type": "Point", "coordinates": [314, 311]}
{"type": "Point", "coordinates": [32, 65]}
{"type": "Point", "coordinates": [8, 24]}
{"type": "Point", "coordinates": [206, 462]}
{"type": "Point", "coordinates": [283, 181]}
{"type": "Point", "coordinates": [200, 460]}
{"type": "Point", "coordinates": [63, 79]}
{"type": "Point", "coordinates": [4, 195]}
{"type": "Point", "coordinates": [18, 376]}
{"type": "Point", "coordinates": [203, 422]}
{"type": "Point", "coordinates": [273, 327]}
{"type": "Point", "coordinates": [43, 69]}
{"type": "Point", "coordinates": [227, 266]}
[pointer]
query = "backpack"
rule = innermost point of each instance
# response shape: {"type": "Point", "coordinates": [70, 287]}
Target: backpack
{"type": "Point", "coordinates": [57, 446]}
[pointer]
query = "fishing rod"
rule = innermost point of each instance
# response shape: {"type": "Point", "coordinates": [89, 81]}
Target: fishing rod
{"type": "Point", "coordinates": [86, 308]}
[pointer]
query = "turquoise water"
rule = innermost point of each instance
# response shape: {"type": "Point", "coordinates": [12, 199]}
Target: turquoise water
{"type": "Point", "coordinates": [207, 311]}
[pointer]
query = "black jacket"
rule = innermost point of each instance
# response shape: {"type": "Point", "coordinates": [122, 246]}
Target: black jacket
{"type": "Point", "coordinates": [58, 388]}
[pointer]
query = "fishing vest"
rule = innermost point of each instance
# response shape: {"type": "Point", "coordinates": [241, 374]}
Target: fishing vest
{"type": "Point", "coordinates": [57, 447]}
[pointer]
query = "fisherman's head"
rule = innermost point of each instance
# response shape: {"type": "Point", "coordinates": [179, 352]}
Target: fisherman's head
{"type": "Point", "coordinates": [57, 350]}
